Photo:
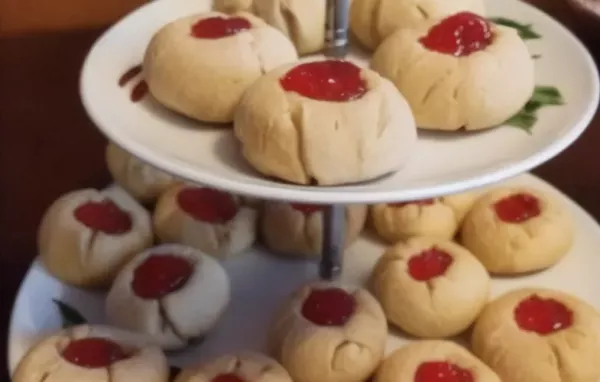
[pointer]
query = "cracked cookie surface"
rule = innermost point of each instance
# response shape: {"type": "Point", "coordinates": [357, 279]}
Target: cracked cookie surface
{"type": "Point", "coordinates": [169, 302]}
{"type": "Point", "coordinates": [204, 78]}
{"type": "Point", "coordinates": [86, 236]}
{"type": "Point", "coordinates": [314, 343]}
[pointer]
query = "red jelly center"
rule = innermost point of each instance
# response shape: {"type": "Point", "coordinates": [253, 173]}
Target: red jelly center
{"type": "Point", "coordinates": [328, 307]}
{"type": "Point", "coordinates": [429, 264]}
{"type": "Point", "coordinates": [543, 316]}
{"type": "Point", "coordinates": [424, 202]}
{"type": "Point", "coordinates": [229, 377]}
{"type": "Point", "coordinates": [442, 372]}
{"type": "Point", "coordinates": [104, 216]}
{"type": "Point", "coordinates": [218, 27]}
{"type": "Point", "coordinates": [207, 205]}
{"type": "Point", "coordinates": [517, 208]}
{"type": "Point", "coordinates": [160, 275]}
{"type": "Point", "coordinates": [331, 80]}
{"type": "Point", "coordinates": [307, 208]}
{"type": "Point", "coordinates": [459, 35]}
{"type": "Point", "coordinates": [93, 352]}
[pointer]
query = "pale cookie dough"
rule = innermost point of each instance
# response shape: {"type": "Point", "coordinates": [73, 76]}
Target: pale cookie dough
{"type": "Point", "coordinates": [302, 21]}
{"type": "Point", "coordinates": [346, 343]}
{"type": "Point", "coordinates": [428, 361]}
{"type": "Point", "coordinates": [305, 140]}
{"type": "Point", "coordinates": [231, 232]}
{"type": "Point", "coordinates": [371, 21]}
{"type": "Point", "coordinates": [535, 243]}
{"type": "Point", "coordinates": [477, 91]}
{"type": "Point", "coordinates": [243, 366]}
{"type": "Point", "coordinates": [297, 229]}
{"type": "Point", "coordinates": [430, 288]}
{"type": "Point", "coordinates": [204, 78]}
{"type": "Point", "coordinates": [439, 217]}
{"type": "Point", "coordinates": [539, 335]}
{"type": "Point", "coordinates": [139, 179]}
{"type": "Point", "coordinates": [171, 305]}
{"type": "Point", "coordinates": [91, 256]}
{"type": "Point", "coordinates": [76, 355]}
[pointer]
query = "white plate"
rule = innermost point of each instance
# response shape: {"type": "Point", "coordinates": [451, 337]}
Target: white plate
{"type": "Point", "coordinates": [261, 281]}
{"type": "Point", "coordinates": [443, 163]}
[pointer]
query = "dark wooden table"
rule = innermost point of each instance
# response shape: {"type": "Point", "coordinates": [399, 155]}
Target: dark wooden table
{"type": "Point", "coordinates": [48, 145]}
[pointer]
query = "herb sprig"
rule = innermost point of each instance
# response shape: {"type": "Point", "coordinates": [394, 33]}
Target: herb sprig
{"type": "Point", "coordinates": [525, 30]}
{"type": "Point", "coordinates": [527, 117]}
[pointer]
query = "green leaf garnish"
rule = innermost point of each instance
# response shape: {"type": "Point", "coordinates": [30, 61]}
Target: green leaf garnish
{"type": "Point", "coordinates": [70, 316]}
{"type": "Point", "coordinates": [527, 117]}
{"type": "Point", "coordinates": [525, 30]}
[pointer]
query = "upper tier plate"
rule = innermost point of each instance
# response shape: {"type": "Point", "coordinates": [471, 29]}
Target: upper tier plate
{"type": "Point", "coordinates": [444, 163]}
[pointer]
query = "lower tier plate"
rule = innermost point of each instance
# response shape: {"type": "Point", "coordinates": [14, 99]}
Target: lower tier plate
{"type": "Point", "coordinates": [260, 281]}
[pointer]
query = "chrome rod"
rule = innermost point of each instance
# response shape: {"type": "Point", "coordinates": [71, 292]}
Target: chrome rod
{"type": "Point", "coordinates": [332, 250]}
{"type": "Point", "coordinates": [336, 28]}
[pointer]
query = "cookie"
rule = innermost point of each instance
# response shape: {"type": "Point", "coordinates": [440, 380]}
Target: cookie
{"type": "Point", "coordinates": [87, 236]}
{"type": "Point", "coordinates": [539, 335]}
{"type": "Point", "coordinates": [200, 65]}
{"type": "Point", "coordinates": [516, 230]}
{"type": "Point", "coordinates": [171, 293]}
{"type": "Point", "coordinates": [329, 332]}
{"type": "Point", "coordinates": [288, 119]}
{"type": "Point", "coordinates": [430, 288]}
{"type": "Point", "coordinates": [450, 76]}
{"type": "Point", "coordinates": [212, 221]}
{"type": "Point", "coordinates": [294, 229]}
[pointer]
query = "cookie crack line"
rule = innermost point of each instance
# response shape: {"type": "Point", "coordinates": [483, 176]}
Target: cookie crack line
{"type": "Point", "coordinates": [423, 12]}
{"type": "Point", "coordinates": [167, 323]}
{"type": "Point", "coordinates": [109, 374]}
{"type": "Point", "coordinates": [383, 119]}
{"type": "Point", "coordinates": [44, 376]}
{"type": "Point", "coordinates": [339, 348]}
{"type": "Point", "coordinates": [235, 365]}
{"type": "Point", "coordinates": [295, 112]}
{"type": "Point", "coordinates": [436, 85]}
{"type": "Point", "coordinates": [559, 362]}
{"type": "Point", "coordinates": [89, 245]}
{"type": "Point", "coordinates": [374, 30]}
{"type": "Point", "coordinates": [259, 58]}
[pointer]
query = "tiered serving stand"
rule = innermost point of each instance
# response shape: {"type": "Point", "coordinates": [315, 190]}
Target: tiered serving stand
{"type": "Point", "coordinates": [208, 155]}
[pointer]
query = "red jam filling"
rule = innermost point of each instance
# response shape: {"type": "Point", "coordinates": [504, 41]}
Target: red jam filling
{"type": "Point", "coordinates": [93, 352]}
{"type": "Point", "coordinates": [442, 372]}
{"type": "Point", "coordinates": [543, 316]}
{"type": "Point", "coordinates": [459, 35]}
{"type": "Point", "coordinates": [429, 264]}
{"type": "Point", "coordinates": [104, 216]}
{"type": "Point", "coordinates": [329, 307]}
{"type": "Point", "coordinates": [229, 377]}
{"type": "Point", "coordinates": [207, 205]}
{"type": "Point", "coordinates": [424, 202]}
{"type": "Point", "coordinates": [517, 208]}
{"type": "Point", "coordinates": [160, 275]}
{"type": "Point", "coordinates": [330, 80]}
{"type": "Point", "coordinates": [307, 209]}
{"type": "Point", "coordinates": [219, 27]}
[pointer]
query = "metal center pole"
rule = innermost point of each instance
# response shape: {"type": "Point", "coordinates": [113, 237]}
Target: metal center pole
{"type": "Point", "coordinates": [336, 28]}
{"type": "Point", "coordinates": [332, 251]}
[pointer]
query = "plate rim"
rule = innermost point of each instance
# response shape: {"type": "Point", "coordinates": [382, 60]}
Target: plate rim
{"type": "Point", "coordinates": [335, 195]}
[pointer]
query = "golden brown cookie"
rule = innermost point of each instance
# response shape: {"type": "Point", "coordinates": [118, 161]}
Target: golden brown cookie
{"type": "Point", "coordinates": [94, 354]}
{"type": "Point", "coordinates": [433, 361]}
{"type": "Point", "coordinates": [430, 288]}
{"type": "Point", "coordinates": [200, 65]}
{"type": "Point", "coordinates": [238, 367]}
{"type": "Point", "coordinates": [371, 21]}
{"type": "Point", "coordinates": [86, 236]}
{"type": "Point", "coordinates": [295, 229]}
{"type": "Point", "coordinates": [171, 293]}
{"type": "Point", "coordinates": [436, 217]}
{"type": "Point", "coordinates": [288, 119]}
{"type": "Point", "coordinates": [539, 335]}
{"type": "Point", "coordinates": [450, 76]}
{"type": "Point", "coordinates": [212, 221]}
{"type": "Point", "coordinates": [329, 332]}
{"type": "Point", "coordinates": [517, 229]}
{"type": "Point", "coordinates": [139, 179]}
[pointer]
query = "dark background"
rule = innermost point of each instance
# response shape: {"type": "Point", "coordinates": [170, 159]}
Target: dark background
{"type": "Point", "coordinates": [48, 146]}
